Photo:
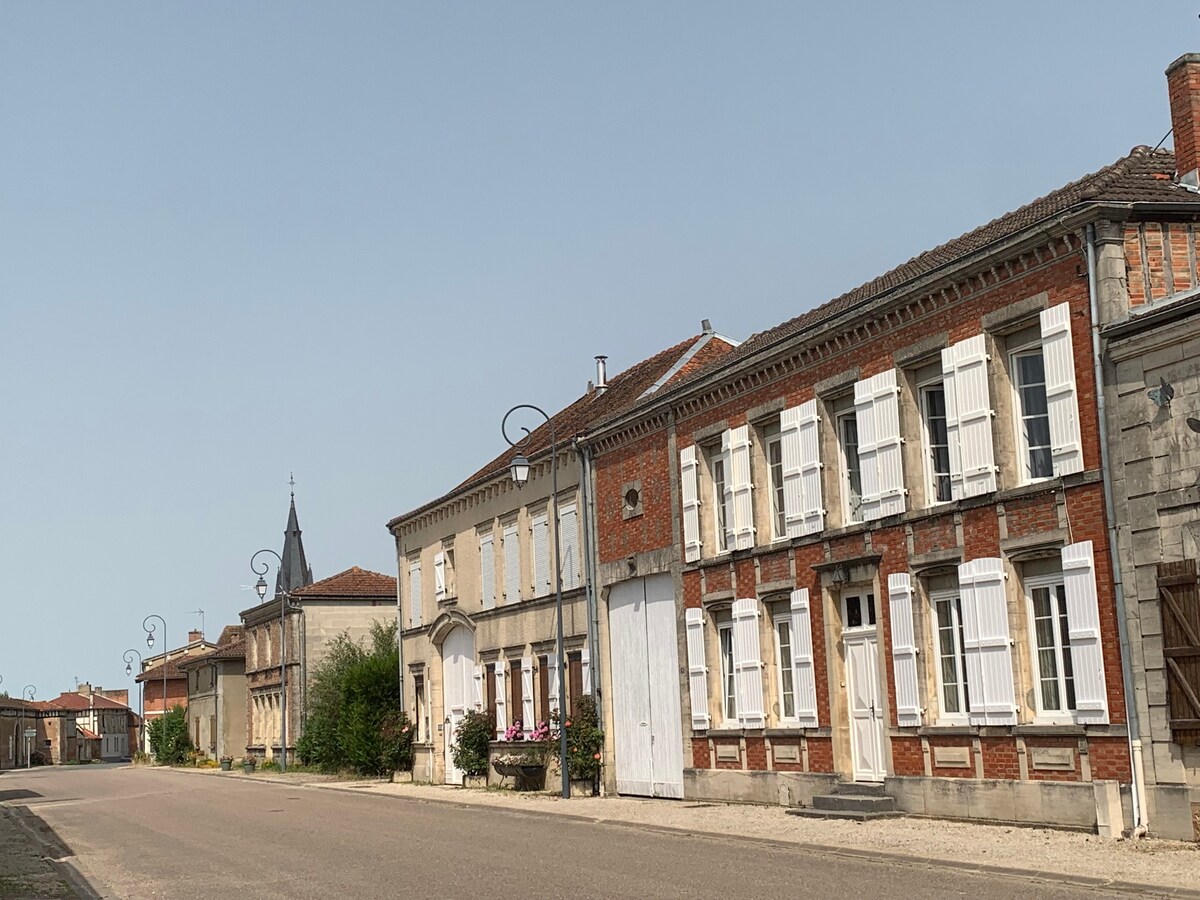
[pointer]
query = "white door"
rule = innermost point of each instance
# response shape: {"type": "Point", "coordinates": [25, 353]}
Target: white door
{"type": "Point", "coordinates": [861, 643]}
{"type": "Point", "coordinates": [647, 729]}
{"type": "Point", "coordinates": [458, 660]}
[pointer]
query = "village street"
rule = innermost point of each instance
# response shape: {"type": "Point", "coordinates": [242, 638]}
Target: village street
{"type": "Point", "coordinates": [140, 833]}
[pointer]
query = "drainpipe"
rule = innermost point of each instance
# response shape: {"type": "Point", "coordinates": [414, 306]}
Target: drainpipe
{"type": "Point", "coordinates": [1138, 787]}
{"type": "Point", "coordinates": [593, 607]}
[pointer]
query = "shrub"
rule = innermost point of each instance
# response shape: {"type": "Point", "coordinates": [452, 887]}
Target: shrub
{"type": "Point", "coordinates": [169, 737]}
{"type": "Point", "coordinates": [585, 740]}
{"type": "Point", "coordinates": [470, 747]}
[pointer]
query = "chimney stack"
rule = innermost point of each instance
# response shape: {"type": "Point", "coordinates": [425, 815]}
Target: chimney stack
{"type": "Point", "coordinates": [194, 636]}
{"type": "Point", "coordinates": [1183, 87]}
{"type": "Point", "coordinates": [601, 374]}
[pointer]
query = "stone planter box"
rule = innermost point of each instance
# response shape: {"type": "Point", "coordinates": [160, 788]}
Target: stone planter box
{"type": "Point", "coordinates": [583, 787]}
{"type": "Point", "coordinates": [475, 781]}
{"type": "Point", "coordinates": [402, 777]}
{"type": "Point", "coordinates": [525, 778]}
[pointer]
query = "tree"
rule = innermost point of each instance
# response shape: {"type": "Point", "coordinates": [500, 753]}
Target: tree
{"type": "Point", "coordinates": [169, 739]}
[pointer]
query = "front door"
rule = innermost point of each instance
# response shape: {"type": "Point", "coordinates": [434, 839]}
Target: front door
{"type": "Point", "coordinates": [860, 641]}
{"type": "Point", "coordinates": [458, 657]}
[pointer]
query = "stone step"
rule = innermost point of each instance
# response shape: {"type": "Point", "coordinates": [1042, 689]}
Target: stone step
{"type": "Point", "coordinates": [849, 815]}
{"type": "Point", "coordinates": [868, 803]}
{"type": "Point", "coordinates": [860, 788]}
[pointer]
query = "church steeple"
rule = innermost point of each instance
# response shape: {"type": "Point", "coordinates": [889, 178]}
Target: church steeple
{"type": "Point", "coordinates": [294, 573]}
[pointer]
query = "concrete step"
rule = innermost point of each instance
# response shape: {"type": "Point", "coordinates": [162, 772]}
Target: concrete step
{"type": "Point", "coordinates": [849, 815]}
{"type": "Point", "coordinates": [854, 803]}
{"type": "Point", "coordinates": [859, 788]}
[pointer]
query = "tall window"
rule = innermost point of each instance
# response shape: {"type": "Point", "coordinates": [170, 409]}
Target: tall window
{"type": "Point", "coordinates": [1033, 416]}
{"type": "Point", "coordinates": [720, 499]}
{"type": "Point", "coordinates": [952, 668]}
{"type": "Point", "coordinates": [728, 704]}
{"type": "Point", "coordinates": [937, 441]}
{"type": "Point", "coordinates": [783, 665]}
{"type": "Point", "coordinates": [1055, 678]}
{"type": "Point", "coordinates": [847, 430]}
{"type": "Point", "coordinates": [775, 471]}
{"type": "Point", "coordinates": [421, 709]}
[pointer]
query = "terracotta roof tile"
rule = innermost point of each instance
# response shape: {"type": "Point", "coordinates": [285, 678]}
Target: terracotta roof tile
{"type": "Point", "coordinates": [354, 583]}
{"type": "Point", "coordinates": [72, 700]}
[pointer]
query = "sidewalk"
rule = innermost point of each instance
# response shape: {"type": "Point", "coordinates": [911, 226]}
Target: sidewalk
{"type": "Point", "coordinates": [1168, 866]}
{"type": "Point", "coordinates": [24, 869]}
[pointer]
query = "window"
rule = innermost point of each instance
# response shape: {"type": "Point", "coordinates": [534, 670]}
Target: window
{"type": "Point", "coordinates": [720, 499]}
{"type": "Point", "coordinates": [512, 563]}
{"type": "Point", "coordinates": [489, 688]}
{"type": "Point", "coordinates": [420, 709]}
{"type": "Point", "coordinates": [574, 681]}
{"type": "Point", "coordinates": [951, 661]}
{"type": "Point", "coordinates": [774, 445]}
{"type": "Point", "coordinates": [1028, 367]}
{"type": "Point", "coordinates": [487, 569]}
{"type": "Point", "coordinates": [728, 703]}
{"type": "Point", "coordinates": [1052, 661]}
{"type": "Point", "coordinates": [783, 664]}
{"type": "Point", "coordinates": [851, 467]}
{"type": "Point", "coordinates": [937, 441]}
{"type": "Point", "coordinates": [859, 611]}
{"type": "Point", "coordinates": [517, 695]}
{"type": "Point", "coordinates": [544, 689]}
{"type": "Point", "coordinates": [414, 594]}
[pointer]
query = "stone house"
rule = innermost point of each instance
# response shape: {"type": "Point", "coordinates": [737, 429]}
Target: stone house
{"type": "Point", "coordinates": [108, 728]}
{"type": "Point", "coordinates": [216, 702]}
{"type": "Point", "coordinates": [477, 576]}
{"type": "Point", "coordinates": [16, 716]}
{"type": "Point", "coordinates": [151, 678]}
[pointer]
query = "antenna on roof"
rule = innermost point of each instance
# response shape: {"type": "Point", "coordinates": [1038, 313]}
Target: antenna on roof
{"type": "Point", "coordinates": [200, 613]}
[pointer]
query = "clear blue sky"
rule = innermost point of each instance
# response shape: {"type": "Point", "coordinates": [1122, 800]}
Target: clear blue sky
{"type": "Point", "coordinates": [243, 239]}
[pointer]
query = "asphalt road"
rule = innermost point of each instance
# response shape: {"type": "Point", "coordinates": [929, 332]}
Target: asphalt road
{"type": "Point", "coordinates": [138, 833]}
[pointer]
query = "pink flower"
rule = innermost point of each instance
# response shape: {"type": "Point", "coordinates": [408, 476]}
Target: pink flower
{"type": "Point", "coordinates": [597, 756]}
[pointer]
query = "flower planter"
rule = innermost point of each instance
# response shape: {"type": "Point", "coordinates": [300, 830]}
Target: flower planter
{"type": "Point", "coordinates": [583, 787]}
{"type": "Point", "coordinates": [226, 765]}
{"type": "Point", "coordinates": [248, 768]}
{"type": "Point", "coordinates": [402, 777]}
{"type": "Point", "coordinates": [475, 781]}
{"type": "Point", "coordinates": [526, 777]}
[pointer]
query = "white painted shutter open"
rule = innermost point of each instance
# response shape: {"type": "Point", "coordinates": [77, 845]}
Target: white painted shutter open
{"type": "Point", "coordinates": [414, 594]}
{"type": "Point", "coordinates": [804, 675]}
{"type": "Point", "coordinates": [501, 702]}
{"type": "Point", "coordinates": [747, 664]}
{"type": "Point", "coordinates": [697, 670]}
{"type": "Point", "coordinates": [864, 415]}
{"type": "Point", "coordinates": [541, 555]}
{"type": "Point", "coordinates": [969, 417]}
{"type": "Point", "coordinates": [477, 687]}
{"type": "Point", "coordinates": [439, 575]}
{"type": "Point", "coordinates": [487, 570]}
{"type": "Point", "coordinates": [904, 650]}
{"type": "Point", "coordinates": [986, 643]}
{"type": "Point", "coordinates": [793, 488]}
{"type": "Point", "coordinates": [512, 564]}
{"type": "Point", "coordinates": [690, 490]}
{"type": "Point", "coordinates": [1059, 360]}
{"type": "Point", "coordinates": [1083, 622]}
{"type": "Point", "coordinates": [568, 544]}
{"type": "Point", "coordinates": [552, 681]}
{"type": "Point", "coordinates": [527, 712]}
{"type": "Point", "coordinates": [727, 499]}
{"type": "Point", "coordinates": [888, 456]}
{"type": "Point", "coordinates": [810, 468]}
{"type": "Point", "coordinates": [585, 659]}
{"type": "Point", "coordinates": [741, 487]}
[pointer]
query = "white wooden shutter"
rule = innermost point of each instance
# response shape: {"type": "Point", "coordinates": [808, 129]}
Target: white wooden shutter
{"type": "Point", "coordinates": [864, 415]}
{"type": "Point", "coordinates": [804, 677]}
{"type": "Point", "coordinates": [512, 564]}
{"type": "Point", "coordinates": [541, 555]}
{"type": "Point", "coordinates": [552, 681]}
{"type": "Point", "coordinates": [1059, 360]}
{"type": "Point", "coordinates": [877, 412]}
{"type": "Point", "coordinates": [586, 660]}
{"type": "Point", "coordinates": [697, 670]}
{"type": "Point", "coordinates": [1083, 622]}
{"type": "Point", "coordinates": [741, 487]}
{"type": "Point", "coordinates": [527, 712]}
{"type": "Point", "coordinates": [477, 686]}
{"type": "Point", "coordinates": [727, 499]}
{"type": "Point", "coordinates": [414, 594]}
{"type": "Point", "coordinates": [969, 417]}
{"type": "Point", "coordinates": [487, 570]}
{"type": "Point", "coordinates": [986, 643]}
{"type": "Point", "coordinates": [501, 701]}
{"type": "Point", "coordinates": [747, 664]}
{"type": "Point", "coordinates": [439, 575]}
{"type": "Point", "coordinates": [793, 488]}
{"type": "Point", "coordinates": [904, 650]}
{"type": "Point", "coordinates": [568, 545]}
{"type": "Point", "coordinates": [690, 491]}
{"type": "Point", "coordinates": [810, 468]}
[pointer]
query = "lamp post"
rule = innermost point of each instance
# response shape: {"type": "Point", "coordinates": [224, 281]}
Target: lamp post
{"type": "Point", "coordinates": [285, 604]}
{"type": "Point", "coordinates": [141, 694]}
{"type": "Point", "coordinates": [149, 629]}
{"type": "Point", "coordinates": [519, 470]}
{"type": "Point", "coordinates": [30, 690]}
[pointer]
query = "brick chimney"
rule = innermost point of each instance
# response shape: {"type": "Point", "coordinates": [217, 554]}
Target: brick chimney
{"type": "Point", "coordinates": [1183, 87]}
{"type": "Point", "coordinates": [194, 636]}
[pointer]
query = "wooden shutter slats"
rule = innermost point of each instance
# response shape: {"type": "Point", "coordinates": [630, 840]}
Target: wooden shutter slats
{"type": "Point", "coordinates": [1179, 598]}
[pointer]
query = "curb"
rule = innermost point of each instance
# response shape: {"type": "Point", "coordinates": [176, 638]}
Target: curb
{"type": "Point", "coordinates": [65, 867]}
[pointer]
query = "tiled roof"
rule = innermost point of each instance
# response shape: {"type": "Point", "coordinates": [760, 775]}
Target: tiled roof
{"type": "Point", "coordinates": [354, 583]}
{"type": "Point", "coordinates": [230, 633]}
{"type": "Point", "coordinates": [89, 735]}
{"type": "Point", "coordinates": [155, 672]}
{"type": "Point", "coordinates": [232, 650]}
{"type": "Point", "coordinates": [1144, 176]}
{"type": "Point", "coordinates": [75, 701]}
{"type": "Point", "coordinates": [622, 393]}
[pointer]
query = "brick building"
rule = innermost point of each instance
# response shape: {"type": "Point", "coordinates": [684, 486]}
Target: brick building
{"type": "Point", "coordinates": [151, 677]}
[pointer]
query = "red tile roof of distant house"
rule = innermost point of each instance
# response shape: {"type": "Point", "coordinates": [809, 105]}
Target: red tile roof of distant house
{"type": "Point", "coordinates": [352, 584]}
{"type": "Point", "coordinates": [75, 701]}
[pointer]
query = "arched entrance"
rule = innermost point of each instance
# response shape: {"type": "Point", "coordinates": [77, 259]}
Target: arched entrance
{"type": "Point", "coordinates": [458, 661]}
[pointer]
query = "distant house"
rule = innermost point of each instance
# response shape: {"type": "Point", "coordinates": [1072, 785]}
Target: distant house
{"type": "Point", "coordinates": [107, 728]}
{"type": "Point", "coordinates": [216, 700]}
{"type": "Point", "coordinates": [151, 678]}
{"type": "Point", "coordinates": [16, 716]}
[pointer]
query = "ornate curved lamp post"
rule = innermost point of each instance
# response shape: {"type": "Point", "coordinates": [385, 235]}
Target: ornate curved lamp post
{"type": "Point", "coordinates": [519, 470]}
{"type": "Point", "coordinates": [30, 690]}
{"type": "Point", "coordinates": [141, 694]}
{"type": "Point", "coordinates": [150, 629]}
{"type": "Point", "coordinates": [285, 604]}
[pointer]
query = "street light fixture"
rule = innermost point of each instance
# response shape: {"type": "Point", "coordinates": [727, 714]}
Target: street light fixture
{"type": "Point", "coordinates": [285, 604]}
{"type": "Point", "coordinates": [149, 629]}
{"type": "Point", "coordinates": [30, 690]}
{"type": "Point", "coordinates": [519, 470]}
{"type": "Point", "coordinates": [141, 693]}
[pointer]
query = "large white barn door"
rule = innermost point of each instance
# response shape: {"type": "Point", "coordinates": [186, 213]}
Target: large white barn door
{"type": "Point", "coordinates": [458, 664]}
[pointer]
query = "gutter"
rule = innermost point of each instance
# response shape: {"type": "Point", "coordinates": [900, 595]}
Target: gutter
{"type": "Point", "coordinates": [1137, 766]}
{"type": "Point", "coordinates": [590, 581]}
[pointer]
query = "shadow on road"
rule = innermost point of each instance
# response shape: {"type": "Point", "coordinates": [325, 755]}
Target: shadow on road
{"type": "Point", "coordinates": [18, 795]}
{"type": "Point", "coordinates": [32, 857]}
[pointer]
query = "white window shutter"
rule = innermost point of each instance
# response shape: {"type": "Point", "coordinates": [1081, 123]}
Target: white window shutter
{"type": "Point", "coordinates": [1083, 621]}
{"type": "Point", "coordinates": [969, 417]}
{"type": "Point", "coordinates": [864, 415]}
{"type": "Point", "coordinates": [741, 487]}
{"type": "Point", "coordinates": [904, 650]}
{"type": "Point", "coordinates": [487, 570]}
{"type": "Point", "coordinates": [477, 686]}
{"type": "Point", "coordinates": [697, 670]}
{"type": "Point", "coordinates": [986, 643]}
{"type": "Point", "coordinates": [747, 664]}
{"type": "Point", "coordinates": [888, 456]}
{"type": "Point", "coordinates": [568, 544]}
{"type": "Point", "coordinates": [527, 713]}
{"type": "Point", "coordinates": [810, 468]}
{"type": "Point", "coordinates": [439, 575]}
{"type": "Point", "coordinates": [1061, 396]}
{"type": "Point", "coordinates": [552, 681]}
{"type": "Point", "coordinates": [727, 499]}
{"type": "Point", "coordinates": [512, 564]}
{"type": "Point", "coordinates": [541, 555]}
{"type": "Point", "coordinates": [501, 701]}
{"type": "Point", "coordinates": [793, 487]}
{"type": "Point", "coordinates": [414, 594]}
{"type": "Point", "coordinates": [804, 675]}
{"type": "Point", "coordinates": [586, 660]}
{"type": "Point", "coordinates": [689, 489]}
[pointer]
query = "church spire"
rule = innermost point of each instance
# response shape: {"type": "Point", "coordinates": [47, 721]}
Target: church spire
{"type": "Point", "coordinates": [294, 573]}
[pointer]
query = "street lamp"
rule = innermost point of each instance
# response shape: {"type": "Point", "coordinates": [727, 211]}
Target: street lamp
{"type": "Point", "coordinates": [141, 693]}
{"type": "Point", "coordinates": [149, 629]}
{"type": "Point", "coordinates": [285, 605]}
{"type": "Point", "coordinates": [30, 690]}
{"type": "Point", "coordinates": [519, 470]}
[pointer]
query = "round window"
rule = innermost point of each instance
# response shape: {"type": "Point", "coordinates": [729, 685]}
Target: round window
{"type": "Point", "coordinates": [632, 498]}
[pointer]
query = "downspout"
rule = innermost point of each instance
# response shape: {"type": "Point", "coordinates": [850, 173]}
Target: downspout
{"type": "Point", "coordinates": [593, 607]}
{"type": "Point", "coordinates": [1138, 786]}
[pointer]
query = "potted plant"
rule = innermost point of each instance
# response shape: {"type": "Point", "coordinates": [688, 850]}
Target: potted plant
{"type": "Point", "coordinates": [226, 763]}
{"type": "Point", "coordinates": [248, 764]}
{"type": "Point", "coordinates": [528, 765]}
